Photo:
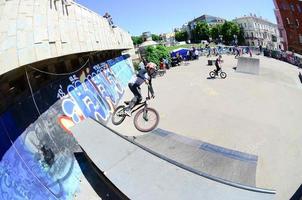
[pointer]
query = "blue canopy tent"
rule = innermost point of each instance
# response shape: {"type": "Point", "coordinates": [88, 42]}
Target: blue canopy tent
{"type": "Point", "coordinates": [182, 51]}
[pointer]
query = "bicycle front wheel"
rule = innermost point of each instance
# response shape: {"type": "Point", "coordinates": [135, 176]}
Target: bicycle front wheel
{"type": "Point", "coordinates": [147, 120]}
{"type": "Point", "coordinates": [223, 75]}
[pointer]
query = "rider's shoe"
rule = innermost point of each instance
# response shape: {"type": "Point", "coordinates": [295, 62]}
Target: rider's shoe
{"type": "Point", "coordinates": [128, 112]}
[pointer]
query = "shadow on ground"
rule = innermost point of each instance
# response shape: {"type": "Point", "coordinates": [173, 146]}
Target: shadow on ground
{"type": "Point", "coordinates": [100, 184]}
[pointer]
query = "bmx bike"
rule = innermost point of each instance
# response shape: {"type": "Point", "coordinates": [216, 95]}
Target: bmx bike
{"type": "Point", "coordinates": [220, 73]}
{"type": "Point", "coordinates": [145, 120]}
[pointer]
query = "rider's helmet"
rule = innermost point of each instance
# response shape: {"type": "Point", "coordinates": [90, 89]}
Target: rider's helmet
{"type": "Point", "coordinates": [151, 67]}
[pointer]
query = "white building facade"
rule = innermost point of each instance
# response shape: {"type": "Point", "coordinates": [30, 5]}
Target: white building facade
{"type": "Point", "coordinates": [258, 31]}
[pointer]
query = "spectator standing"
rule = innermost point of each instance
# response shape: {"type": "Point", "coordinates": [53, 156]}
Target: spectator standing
{"type": "Point", "coordinates": [162, 64]}
{"type": "Point", "coordinates": [237, 52]}
{"type": "Point", "coordinates": [260, 49]}
{"type": "Point", "coordinates": [167, 64]}
{"type": "Point", "coordinates": [196, 54]}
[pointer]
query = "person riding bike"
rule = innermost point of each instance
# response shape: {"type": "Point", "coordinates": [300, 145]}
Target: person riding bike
{"type": "Point", "coordinates": [143, 76]}
{"type": "Point", "coordinates": [217, 64]}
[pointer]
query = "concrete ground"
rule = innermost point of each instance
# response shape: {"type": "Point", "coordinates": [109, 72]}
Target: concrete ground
{"type": "Point", "coordinates": [253, 114]}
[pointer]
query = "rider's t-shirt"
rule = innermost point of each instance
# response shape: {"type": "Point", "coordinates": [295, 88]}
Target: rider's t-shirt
{"type": "Point", "coordinates": [217, 62]}
{"type": "Point", "coordinates": [142, 76]}
{"type": "Point", "coordinates": [142, 66]}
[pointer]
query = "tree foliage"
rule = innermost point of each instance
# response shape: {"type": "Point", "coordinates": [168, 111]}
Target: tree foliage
{"type": "Point", "coordinates": [137, 40]}
{"type": "Point", "coordinates": [215, 31]}
{"type": "Point", "coordinates": [156, 37]}
{"type": "Point", "coordinates": [228, 30]}
{"type": "Point", "coordinates": [154, 54]}
{"type": "Point", "coordinates": [181, 36]}
{"type": "Point", "coordinates": [201, 32]}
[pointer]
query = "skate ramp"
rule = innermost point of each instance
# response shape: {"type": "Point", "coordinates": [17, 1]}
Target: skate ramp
{"type": "Point", "coordinates": [214, 160]}
{"type": "Point", "coordinates": [140, 173]}
{"type": "Point", "coordinates": [248, 65]}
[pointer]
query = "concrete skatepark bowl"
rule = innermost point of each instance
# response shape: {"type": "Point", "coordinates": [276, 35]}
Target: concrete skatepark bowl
{"type": "Point", "coordinates": [54, 82]}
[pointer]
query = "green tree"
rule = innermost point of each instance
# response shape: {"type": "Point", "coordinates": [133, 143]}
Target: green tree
{"type": "Point", "coordinates": [181, 36]}
{"type": "Point", "coordinates": [241, 40]}
{"type": "Point", "coordinates": [137, 40]}
{"type": "Point", "coordinates": [154, 54]}
{"type": "Point", "coordinates": [215, 31]}
{"type": "Point", "coordinates": [228, 30]}
{"type": "Point", "coordinates": [156, 37]}
{"type": "Point", "coordinates": [201, 32]}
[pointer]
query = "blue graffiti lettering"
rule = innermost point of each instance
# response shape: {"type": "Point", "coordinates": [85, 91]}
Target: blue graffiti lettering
{"type": "Point", "coordinates": [100, 92]}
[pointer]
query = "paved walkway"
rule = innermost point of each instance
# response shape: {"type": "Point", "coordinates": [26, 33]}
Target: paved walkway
{"type": "Point", "coordinates": [253, 114]}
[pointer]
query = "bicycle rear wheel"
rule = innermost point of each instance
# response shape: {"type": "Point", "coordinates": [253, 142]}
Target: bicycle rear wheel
{"type": "Point", "coordinates": [118, 115]}
{"type": "Point", "coordinates": [146, 121]}
{"type": "Point", "coordinates": [212, 74]}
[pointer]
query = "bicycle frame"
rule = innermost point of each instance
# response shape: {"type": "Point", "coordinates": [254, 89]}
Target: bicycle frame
{"type": "Point", "coordinates": [139, 106]}
{"type": "Point", "coordinates": [142, 104]}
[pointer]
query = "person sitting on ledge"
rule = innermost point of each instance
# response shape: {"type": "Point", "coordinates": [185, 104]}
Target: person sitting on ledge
{"type": "Point", "coordinates": [109, 19]}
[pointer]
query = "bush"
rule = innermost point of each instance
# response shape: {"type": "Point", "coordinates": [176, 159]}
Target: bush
{"type": "Point", "coordinates": [154, 54]}
{"type": "Point", "coordinates": [136, 66]}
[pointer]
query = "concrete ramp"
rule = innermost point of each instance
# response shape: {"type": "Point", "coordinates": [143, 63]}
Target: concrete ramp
{"type": "Point", "coordinates": [140, 173]}
{"type": "Point", "coordinates": [213, 160]}
{"type": "Point", "coordinates": [248, 65]}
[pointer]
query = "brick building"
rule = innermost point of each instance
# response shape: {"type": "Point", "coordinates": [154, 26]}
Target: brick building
{"type": "Point", "coordinates": [289, 19]}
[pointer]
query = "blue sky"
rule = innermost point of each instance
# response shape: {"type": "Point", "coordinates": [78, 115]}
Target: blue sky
{"type": "Point", "coordinates": [161, 16]}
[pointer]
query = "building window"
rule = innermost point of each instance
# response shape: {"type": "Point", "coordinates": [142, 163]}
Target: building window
{"type": "Point", "coordinates": [299, 8]}
{"type": "Point", "coordinates": [300, 37]}
{"type": "Point", "coordinates": [288, 22]}
{"type": "Point", "coordinates": [297, 23]}
{"type": "Point", "coordinates": [292, 7]}
{"type": "Point", "coordinates": [284, 5]}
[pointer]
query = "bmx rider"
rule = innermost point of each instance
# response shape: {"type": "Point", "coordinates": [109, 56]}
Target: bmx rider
{"type": "Point", "coordinates": [217, 64]}
{"type": "Point", "coordinates": [144, 75]}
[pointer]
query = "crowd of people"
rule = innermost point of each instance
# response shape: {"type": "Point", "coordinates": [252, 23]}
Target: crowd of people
{"type": "Point", "coordinates": [286, 56]}
{"type": "Point", "coordinates": [234, 50]}
{"type": "Point", "coordinates": [178, 58]}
